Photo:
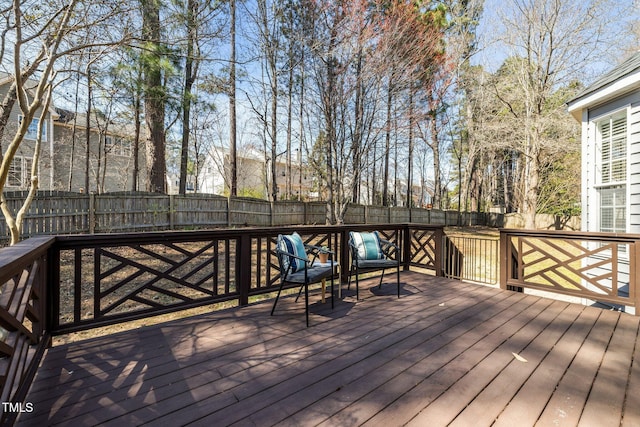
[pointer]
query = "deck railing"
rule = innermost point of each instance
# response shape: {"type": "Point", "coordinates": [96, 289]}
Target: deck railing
{"type": "Point", "coordinates": [56, 285]}
{"type": "Point", "coordinates": [600, 267]}
{"type": "Point", "coordinates": [471, 257]}
{"type": "Point", "coordinates": [23, 332]}
{"type": "Point", "coordinates": [112, 278]}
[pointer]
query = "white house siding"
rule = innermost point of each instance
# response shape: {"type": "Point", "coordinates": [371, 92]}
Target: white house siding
{"type": "Point", "coordinates": [588, 171]}
{"type": "Point", "coordinates": [590, 211]}
{"type": "Point", "coordinates": [634, 168]}
{"type": "Point", "coordinates": [590, 200]}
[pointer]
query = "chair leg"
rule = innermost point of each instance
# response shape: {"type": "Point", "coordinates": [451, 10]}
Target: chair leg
{"type": "Point", "coordinates": [398, 279]}
{"type": "Point", "coordinates": [299, 292]}
{"type": "Point", "coordinates": [332, 294]}
{"type": "Point", "coordinates": [277, 297]}
{"type": "Point", "coordinates": [357, 287]}
{"type": "Point", "coordinates": [381, 277]}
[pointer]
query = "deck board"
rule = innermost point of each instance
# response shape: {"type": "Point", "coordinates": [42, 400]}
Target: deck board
{"type": "Point", "coordinates": [442, 353]}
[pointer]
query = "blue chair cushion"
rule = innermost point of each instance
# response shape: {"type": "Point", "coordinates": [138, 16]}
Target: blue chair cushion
{"type": "Point", "coordinates": [293, 244]}
{"type": "Point", "coordinates": [367, 245]}
{"type": "Point", "coordinates": [377, 263]}
{"type": "Point", "coordinates": [314, 274]}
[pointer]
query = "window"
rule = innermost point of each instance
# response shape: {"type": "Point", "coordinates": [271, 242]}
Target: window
{"type": "Point", "coordinates": [612, 191]}
{"type": "Point", "coordinates": [613, 142]}
{"type": "Point", "coordinates": [118, 146]}
{"type": "Point", "coordinates": [19, 172]}
{"type": "Point", "coordinates": [613, 209]}
{"type": "Point", "coordinates": [32, 132]}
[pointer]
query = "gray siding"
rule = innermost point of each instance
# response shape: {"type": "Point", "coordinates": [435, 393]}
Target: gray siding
{"type": "Point", "coordinates": [56, 154]}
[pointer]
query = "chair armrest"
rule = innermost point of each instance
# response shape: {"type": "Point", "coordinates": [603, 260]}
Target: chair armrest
{"type": "Point", "coordinates": [317, 249]}
{"type": "Point", "coordinates": [291, 255]}
{"type": "Point", "coordinates": [384, 243]}
{"type": "Point", "coordinates": [389, 248]}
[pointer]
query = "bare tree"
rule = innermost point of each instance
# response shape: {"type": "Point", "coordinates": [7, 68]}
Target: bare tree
{"type": "Point", "coordinates": [39, 41]}
{"type": "Point", "coordinates": [555, 40]}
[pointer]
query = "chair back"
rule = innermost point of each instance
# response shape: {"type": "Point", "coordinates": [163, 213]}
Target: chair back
{"type": "Point", "coordinates": [365, 246]}
{"type": "Point", "coordinates": [287, 245]}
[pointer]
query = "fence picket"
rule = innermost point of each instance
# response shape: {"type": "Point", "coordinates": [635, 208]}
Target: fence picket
{"type": "Point", "coordinates": [61, 212]}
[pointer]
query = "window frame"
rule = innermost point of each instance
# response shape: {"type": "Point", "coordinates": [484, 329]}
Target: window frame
{"type": "Point", "coordinates": [32, 131]}
{"type": "Point", "coordinates": [24, 165]}
{"type": "Point", "coordinates": [612, 182]}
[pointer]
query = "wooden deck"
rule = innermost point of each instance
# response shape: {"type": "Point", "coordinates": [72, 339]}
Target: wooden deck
{"type": "Point", "coordinates": [447, 352]}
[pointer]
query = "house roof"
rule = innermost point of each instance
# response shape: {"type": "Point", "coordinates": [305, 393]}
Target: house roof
{"type": "Point", "coordinates": [619, 80]}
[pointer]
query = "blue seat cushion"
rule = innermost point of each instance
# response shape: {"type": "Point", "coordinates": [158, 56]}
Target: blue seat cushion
{"type": "Point", "coordinates": [377, 263]}
{"type": "Point", "coordinates": [367, 245]}
{"type": "Point", "coordinates": [314, 274]}
{"type": "Point", "coordinates": [293, 244]}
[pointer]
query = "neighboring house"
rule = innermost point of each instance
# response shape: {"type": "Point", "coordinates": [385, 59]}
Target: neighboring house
{"type": "Point", "coordinates": [609, 111]}
{"type": "Point", "coordinates": [63, 157]}
{"type": "Point", "coordinates": [253, 175]}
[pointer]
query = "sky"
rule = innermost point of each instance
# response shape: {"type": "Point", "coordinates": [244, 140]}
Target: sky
{"type": "Point", "coordinates": [492, 52]}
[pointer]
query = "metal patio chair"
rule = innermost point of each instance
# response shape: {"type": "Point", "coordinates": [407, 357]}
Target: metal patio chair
{"type": "Point", "coordinates": [297, 268]}
{"type": "Point", "coordinates": [371, 253]}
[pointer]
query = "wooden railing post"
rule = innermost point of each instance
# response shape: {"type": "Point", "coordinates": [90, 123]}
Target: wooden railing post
{"type": "Point", "coordinates": [52, 306]}
{"type": "Point", "coordinates": [439, 237]}
{"type": "Point", "coordinates": [243, 264]}
{"type": "Point", "coordinates": [344, 253]}
{"type": "Point", "coordinates": [505, 259]}
{"type": "Point", "coordinates": [634, 277]}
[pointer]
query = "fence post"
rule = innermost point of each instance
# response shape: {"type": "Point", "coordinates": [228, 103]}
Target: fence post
{"type": "Point", "coordinates": [172, 211]}
{"type": "Point", "coordinates": [271, 209]}
{"type": "Point", "coordinates": [304, 209]}
{"type": "Point", "coordinates": [92, 213]}
{"type": "Point", "coordinates": [229, 212]}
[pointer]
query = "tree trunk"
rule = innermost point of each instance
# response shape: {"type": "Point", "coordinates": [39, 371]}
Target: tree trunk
{"type": "Point", "coordinates": [410, 153]}
{"type": "Point", "coordinates": [531, 183]}
{"type": "Point", "coordinates": [356, 145]}
{"type": "Point", "coordinates": [233, 156]}
{"type": "Point", "coordinates": [189, 77]}
{"type": "Point", "coordinates": [136, 141]}
{"type": "Point", "coordinates": [437, 178]}
{"type": "Point", "coordinates": [387, 149]}
{"type": "Point", "coordinates": [154, 97]}
{"type": "Point", "coordinates": [87, 134]}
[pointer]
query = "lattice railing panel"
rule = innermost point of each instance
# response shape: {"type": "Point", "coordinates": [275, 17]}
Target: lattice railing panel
{"type": "Point", "coordinates": [23, 277]}
{"type": "Point", "coordinates": [597, 270]}
{"type": "Point", "coordinates": [423, 248]}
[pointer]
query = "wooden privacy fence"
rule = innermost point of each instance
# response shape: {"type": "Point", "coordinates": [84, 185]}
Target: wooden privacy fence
{"type": "Point", "coordinates": [73, 213]}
